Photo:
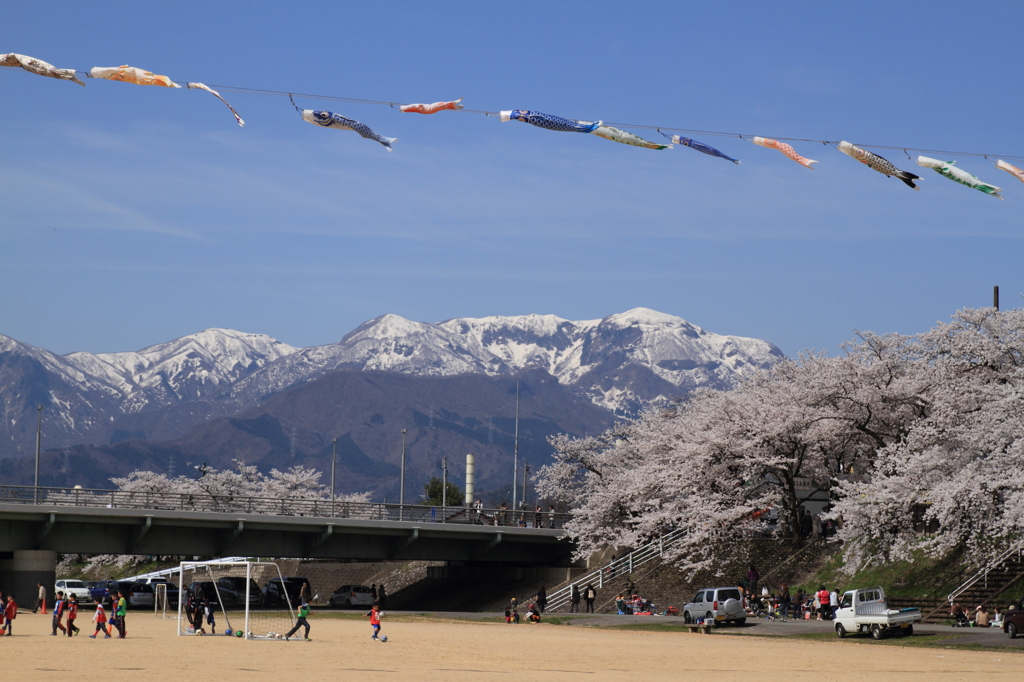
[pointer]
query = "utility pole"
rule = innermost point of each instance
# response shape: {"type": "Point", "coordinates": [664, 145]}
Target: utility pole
{"type": "Point", "coordinates": [995, 298]}
{"type": "Point", "coordinates": [515, 456]}
{"type": "Point", "coordinates": [401, 481]}
{"type": "Point", "coordinates": [334, 466]}
{"type": "Point", "coordinates": [526, 470]}
{"type": "Point", "coordinates": [39, 441]}
{"type": "Point", "coordinates": [444, 488]}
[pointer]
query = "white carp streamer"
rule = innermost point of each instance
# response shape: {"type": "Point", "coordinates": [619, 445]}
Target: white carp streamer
{"type": "Point", "coordinates": [38, 67]}
{"type": "Point", "coordinates": [785, 149]}
{"type": "Point", "coordinates": [616, 135]}
{"type": "Point", "coordinates": [947, 169]}
{"type": "Point", "coordinates": [201, 86]}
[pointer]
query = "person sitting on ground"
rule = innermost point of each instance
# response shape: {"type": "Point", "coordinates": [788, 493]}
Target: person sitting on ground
{"type": "Point", "coordinates": [997, 619]}
{"type": "Point", "coordinates": [959, 616]}
{"type": "Point", "coordinates": [981, 617]}
{"type": "Point", "coordinates": [534, 614]}
{"type": "Point", "coordinates": [620, 604]}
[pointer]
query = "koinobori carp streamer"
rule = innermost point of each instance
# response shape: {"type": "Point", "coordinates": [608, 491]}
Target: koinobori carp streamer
{"type": "Point", "coordinates": [877, 163]}
{"type": "Point", "coordinates": [131, 74]}
{"type": "Point", "coordinates": [549, 122]}
{"type": "Point", "coordinates": [326, 119]}
{"type": "Point", "coordinates": [786, 149]}
{"type": "Point", "coordinates": [616, 135]}
{"type": "Point", "coordinates": [948, 170]}
{"type": "Point", "coordinates": [38, 67]}
{"type": "Point", "coordinates": [701, 147]}
{"type": "Point", "coordinates": [431, 108]}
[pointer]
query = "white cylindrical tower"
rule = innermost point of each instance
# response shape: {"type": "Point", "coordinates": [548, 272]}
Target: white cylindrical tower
{"type": "Point", "coordinates": [470, 473]}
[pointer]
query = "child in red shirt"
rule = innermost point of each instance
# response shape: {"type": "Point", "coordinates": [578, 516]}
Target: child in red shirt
{"type": "Point", "coordinates": [10, 613]}
{"type": "Point", "coordinates": [72, 614]}
{"type": "Point", "coordinates": [101, 622]}
{"type": "Point", "coordinates": [375, 615]}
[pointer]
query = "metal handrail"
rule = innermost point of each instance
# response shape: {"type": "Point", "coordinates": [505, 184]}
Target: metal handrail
{"type": "Point", "coordinates": [275, 506]}
{"type": "Point", "coordinates": [983, 573]}
{"type": "Point", "coordinates": [617, 567]}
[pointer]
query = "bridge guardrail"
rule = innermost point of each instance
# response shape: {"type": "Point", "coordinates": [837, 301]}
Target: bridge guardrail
{"type": "Point", "coordinates": [272, 506]}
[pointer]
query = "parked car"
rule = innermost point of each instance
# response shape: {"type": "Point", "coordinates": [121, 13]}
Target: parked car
{"type": "Point", "coordinates": [716, 605]}
{"type": "Point", "coordinates": [349, 596]}
{"type": "Point", "coordinates": [275, 591]}
{"type": "Point", "coordinates": [139, 595]}
{"type": "Point", "coordinates": [866, 611]}
{"type": "Point", "coordinates": [204, 589]}
{"type": "Point", "coordinates": [75, 587]}
{"type": "Point", "coordinates": [104, 590]}
{"type": "Point", "coordinates": [171, 589]}
{"type": "Point", "coordinates": [1013, 620]}
{"type": "Point", "coordinates": [232, 591]}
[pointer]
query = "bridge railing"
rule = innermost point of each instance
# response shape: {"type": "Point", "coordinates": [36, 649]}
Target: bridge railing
{"type": "Point", "coordinates": [274, 506]}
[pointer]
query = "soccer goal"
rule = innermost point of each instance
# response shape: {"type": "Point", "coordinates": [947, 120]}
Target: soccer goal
{"type": "Point", "coordinates": [160, 601]}
{"type": "Point", "coordinates": [231, 591]}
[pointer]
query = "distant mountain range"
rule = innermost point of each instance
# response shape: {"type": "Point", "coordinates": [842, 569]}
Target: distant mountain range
{"type": "Point", "coordinates": [194, 397]}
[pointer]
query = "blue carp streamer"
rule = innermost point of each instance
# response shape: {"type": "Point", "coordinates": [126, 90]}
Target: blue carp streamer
{"type": "Point", "coordinates": [701, 147]}
{"type": "Point", "coordinates": [550, 122]}
{"type": "Point", "coordinates": [326, 119]}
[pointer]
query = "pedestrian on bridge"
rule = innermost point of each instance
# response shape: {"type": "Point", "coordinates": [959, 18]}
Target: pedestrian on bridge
{"type": "Point", "coordinates": [590, 594]}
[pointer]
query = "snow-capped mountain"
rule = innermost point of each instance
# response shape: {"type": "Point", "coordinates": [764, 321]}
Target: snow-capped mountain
{"type": "Point", "coordinates": [622, 363]}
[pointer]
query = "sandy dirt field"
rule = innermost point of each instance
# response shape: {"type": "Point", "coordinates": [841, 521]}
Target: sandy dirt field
{"type": "Point", "coordinates": [428, 650]}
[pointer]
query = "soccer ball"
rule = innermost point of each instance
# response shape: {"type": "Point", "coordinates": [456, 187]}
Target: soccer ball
{"type": "Point", "coordinates": [383, 638]}
{"type": "Point", "coordinates": [239, 633]}
{"type": "Point", "coordinates": [228, 632]}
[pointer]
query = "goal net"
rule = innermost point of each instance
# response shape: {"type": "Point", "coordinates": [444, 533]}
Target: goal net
{"type": "Point", "coordinates": [231, 595]}
{"type": "Point", "coordinates": [161, 604]}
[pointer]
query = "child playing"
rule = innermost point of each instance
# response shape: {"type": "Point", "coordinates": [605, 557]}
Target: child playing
{"type": "Point", "coordinates": [375, 616]}
{"type": "Point", "coordinates": [302, 622]}
{"type": "Point", "coordinates": [211, 618]}
{"type": "Point", "coordinates": [10, 613]}
{"type": "Point", "coordinates": [72, 614]}
{"type": "Point", "coordinates": [100, 618]}
{"type": "Point", "coordinates": [508, 615]}
{"type": "Point", "coordinates": [58, 615]}
{"type": "Point", "coordinates": [515, 616]}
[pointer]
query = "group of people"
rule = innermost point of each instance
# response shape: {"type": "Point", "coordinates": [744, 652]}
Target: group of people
{"type": "Point", "coordinates": [980, 618]}
{"type": "Point", "coordinates": [633, 605]}
{"type": "Point", "coordinates": [521, 519]}
{"type": "Point", "coordinates": [588, 594]}
{"type": "Point", "coordinates": [783, 605]}
{"type": "Point", "coordinates": [65, 613]}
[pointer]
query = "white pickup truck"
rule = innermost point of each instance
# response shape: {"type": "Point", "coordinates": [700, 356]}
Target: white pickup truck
{"type": "Point", "coordinates": [866, 610]}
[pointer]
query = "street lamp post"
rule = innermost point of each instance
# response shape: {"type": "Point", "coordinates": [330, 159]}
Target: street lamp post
{"type": "Point", "coordinates": [334, 465]}
{"type": "Point", "coordinates": [444, 489]}
{"type": "Point", "coordinates": [401, 482]}
{"type": "Point", "coordinates": [39, 441]}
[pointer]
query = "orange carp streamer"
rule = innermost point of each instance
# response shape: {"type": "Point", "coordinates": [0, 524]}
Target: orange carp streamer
{"type": "Point", "coordinates": [1011, 169]}
{"type": "Point", "coordinates": [131, 74]}
{"type": "Point", "coordinates": [431, 108]}
{"type": "Point", "coordinates": [785, 149]}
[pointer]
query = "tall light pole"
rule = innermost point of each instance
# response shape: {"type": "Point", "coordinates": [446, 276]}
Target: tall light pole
{"type": "Point", "coordinates": [515, 456]}
{"type": "Point", "coordinates": [401, 482]}
{"type": "Point", "coordinates": [334, 466]}
{"type": "Point", "coordinates": [444, 488]}
{"type": "Point", "coordinates": [39, 442]}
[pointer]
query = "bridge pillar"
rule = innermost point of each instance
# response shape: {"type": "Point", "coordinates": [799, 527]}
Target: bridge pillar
{"type": "Point", "coordinates": [20, 573]}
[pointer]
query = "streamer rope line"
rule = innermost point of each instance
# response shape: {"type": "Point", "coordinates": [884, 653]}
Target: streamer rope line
{"type": "Point", "coordinates": [240, 90]}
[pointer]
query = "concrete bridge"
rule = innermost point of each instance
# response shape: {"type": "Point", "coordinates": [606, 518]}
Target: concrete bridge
{"type": "Point", "coordinates": [36, 525]}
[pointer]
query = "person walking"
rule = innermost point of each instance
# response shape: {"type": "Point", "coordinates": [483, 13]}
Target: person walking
{"type": "Point", "coordinates": [301, 621]}
{"type": "Point", "coordinates": [41, 601]}
{"type": "Point", "coordinates": [752, 577]}
{"type": "Point", "coordinates": [381, 596]}
{"type": "Point", "coordinates": [538, 517]}
{"type": "Point", "coordinates": [121, 611]}
{"type": "Point", "coordinates": [58, 615]}
{"type": "Point", "coordinates": [374, 614]}
{"type": "Point", "coordinates": [824, 611]}
{"type": "Point", "coordinates": [100, 618]}
{"type": "Point", "coordinates": [72, 615]}
{"type": "Point", "coordinates": [478, 511]}
{"type": "Point", "coordinates": [833, 602]}
{"type": "Point", "coordinates": [502, 514]}
{"type": "Point", "coordinates": [784, 601]}
{"type": "Point", "coordinates": [589, 595]}
{"type": "Point", "coordinates": [574, 599]}
{"type": "Point", "coordinates": [542, 598]}
{"type": "Point", "coordinates": [373, 592]}
{"type": "Point", "coordinates": [10, 613]}
{"type": "Point", "coordinates": [551, 516]}
{"type": "Point", "coordinates": [304, 593]}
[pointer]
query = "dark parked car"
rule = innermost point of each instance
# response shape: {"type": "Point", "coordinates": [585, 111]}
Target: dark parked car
{"type": "Point", "coordinates": [104, 590]}
{"type": "Point", "coordinates": [232, 591]}
{"type": "Point", "coordinates": [204, 590]}
{"type": "Point", "coordinates": [1013, 620]}
{"type": "Point", "coordinates": [273, 593]}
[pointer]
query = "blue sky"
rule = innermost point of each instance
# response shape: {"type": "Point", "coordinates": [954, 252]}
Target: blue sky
{"type": "Point", "coordinates": [133, 215]}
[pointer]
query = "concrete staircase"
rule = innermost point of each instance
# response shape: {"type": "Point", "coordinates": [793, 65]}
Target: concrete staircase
{"type": "Point", "coordinates": [983, 587]}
